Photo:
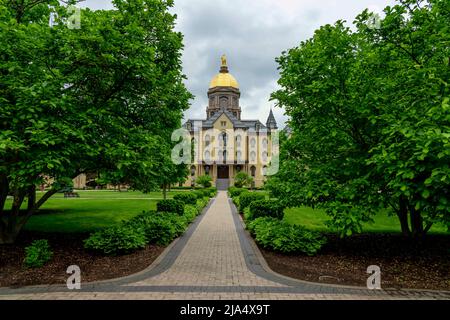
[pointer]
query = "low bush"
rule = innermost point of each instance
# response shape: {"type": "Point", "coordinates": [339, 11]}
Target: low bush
{"type": "Point", "coordinates": [198, 193]}
{"type": "Point", "coordinates": [281, 236]}
{"type": "Point", "coordinates": [117, 240]}
{"type": "Point", "coordinates": [248, 197]}
{"type": "Point", "coordinates": [212, 191]}
{"type": "Point", "coordinates": [242, 179]}
{"type": "Point", "coordinates": [186, 197]}
{"type": "Point", "coordinates": [246, 214]}
{"type": "Point", "coordinates": [170, 205]}
{"type": "Point", "coordinates": [201, 203]}
{"type": "Point", "coordinates": [204, 181]}
{"type": "Point", "coordinates": [190, 212]}
{"type": "Point", "coordinates": [37, 254]}
{"type": "Point", "coordinates": [265, 208]}
{"type": "Point", "coordinates": [236, 192]}
{"type": "Point", "coordinates": [159, 228]}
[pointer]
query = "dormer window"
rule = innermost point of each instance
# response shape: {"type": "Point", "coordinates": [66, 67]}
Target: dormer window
{"type": "Point", "coordinates": [188, 126]}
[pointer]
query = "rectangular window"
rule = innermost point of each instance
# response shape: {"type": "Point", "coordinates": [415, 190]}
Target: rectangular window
{"type": "Point", "coordinates": [224, 123]}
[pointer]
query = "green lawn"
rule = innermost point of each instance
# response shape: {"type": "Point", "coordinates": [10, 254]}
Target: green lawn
{"type": "Point", "coordinates": [315, 219]}
{"type": "Point", "coordinates": [94, 210]}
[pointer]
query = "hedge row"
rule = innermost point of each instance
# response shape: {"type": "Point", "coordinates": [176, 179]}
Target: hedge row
{"type": "Point", "coordinates": [278, 235]}
{"type": "Point", "coordinates": [264, 220]}
{"type": "Point", "coordinates": [156, 227]}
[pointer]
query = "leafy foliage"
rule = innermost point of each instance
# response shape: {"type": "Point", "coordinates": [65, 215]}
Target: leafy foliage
{"type": "Point", "coordinates": [117, 240]}
{"type": "Point", "coordinates": [370, 119]}
{"type": "Point", "coordinates": [248, 197]}
{"type": "Point", "coordinates": [235, 192]}
{"type": "Point", "coordinates": [204, 181]}
{"type": "Point", "coordinates": [186, 198]}
{"type": "Point", "coordinates": [201, 203]}
{"type": "Point", "coordinates": [170, 205]}
{"type": "Point", "coordinates": [266, 208]}
{"type": "Point", "coordinates": [242, 179]}
{"type": "Point", "coordinates": [104, 98]}
{"type": "Point", "coordinates": [278, 235]}
{"type": "Point", "coordinates": [37, 254]}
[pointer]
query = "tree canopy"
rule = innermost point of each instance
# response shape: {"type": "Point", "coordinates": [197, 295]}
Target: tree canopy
{"type": "Point", "coordinates": [370, 119]}
{"type": "Point", "coordinates": [102, 98]}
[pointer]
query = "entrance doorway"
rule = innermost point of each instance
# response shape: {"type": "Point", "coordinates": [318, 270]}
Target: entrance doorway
{"type": "Point", "coordinates": [223, 172]}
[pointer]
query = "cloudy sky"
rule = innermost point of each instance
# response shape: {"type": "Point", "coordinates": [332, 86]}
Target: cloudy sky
{"type": "Point", "coordinates": [252, 33]}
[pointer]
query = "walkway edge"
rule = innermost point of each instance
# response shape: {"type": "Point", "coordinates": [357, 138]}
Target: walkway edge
{"type": "Point", "coordinates": [159, 265]}
{"type": "Point", "coordinates": [293, 281]}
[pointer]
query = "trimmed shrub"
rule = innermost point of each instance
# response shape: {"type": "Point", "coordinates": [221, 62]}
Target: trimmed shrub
{"type": "Point", "coordinates": [242, 179]}
{"type": "Point", "coordinates": [159, 228]}
{"type": "Point", "coordinates": [283, 237]}
{"type": "Point", "coordinates": [178, 225]}
{"type": "Point", "coordinates": [186, 197]}
{"type": "Point", "coordinates": [265, 208]}
{"type": "Point", "coordinates": [201, 203]}
{"type": "Point", "coordinates": [190, 212]}
{"type": "Point", "coordinates": [248, 197]}
{"type": "Point", "coordinates": [37, 254]}
{"type": "Point", "coordinates": [170, 205]}
{"type": "Point", "coordinates": [236, 192]}
{"type": "Point", "coordinates": [212, 191]}
{"type": "Point", "coordinates": [116, 240]}
{"type": "Point", "coordinates": [204, 181]}
{"type": "Point", "coordinates": [198, 193]}
{"type": "Point", "coordinates": [246, 214]}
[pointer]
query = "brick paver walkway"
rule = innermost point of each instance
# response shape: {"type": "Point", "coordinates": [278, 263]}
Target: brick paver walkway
{"type": "Point", "coordinates": [215, 259]}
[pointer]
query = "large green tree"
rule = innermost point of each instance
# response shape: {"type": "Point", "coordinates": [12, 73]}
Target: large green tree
{"type": "Point", "coordinates": [370, 116]}
{"type": "Point", "coordinates": [102, 98]}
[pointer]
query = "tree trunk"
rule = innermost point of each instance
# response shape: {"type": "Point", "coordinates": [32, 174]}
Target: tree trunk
{"type": "Point", "coordinates": [164, 191]}
{"type": "Point", "coordinates": [402, 214]}
{"type": "Point", "coordinates": [13, 224]}
{"type": "Point", "coordinates": [416, 223]}
{"type": "Point", "coordinates": [4, 190]}
{"type": "Point", "coordinates": [7, 237]}
{"type": "Point", "coordinates": [31, 198]}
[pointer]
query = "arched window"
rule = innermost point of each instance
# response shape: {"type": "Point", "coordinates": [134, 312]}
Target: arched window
{"type": "Point", "coordinates": [224, 155]}
{"type": "Point", "coordinates": [253, 171]}
{"type": "Point", "coordinates": [207, 155]}
{"type": "Point", "coordinates": [264, 143]}
{"type": "Point", "coordinates": [223, 139]}
{"type": "Point", "coordinates": [223, 102]}
{"type": "Point", "coordinates": [207, 140]}
{"type": "Point", "coordinates": [253, 142]}
{"type": "Point", "coordinates": [238, 156]}
{"type": "Point", "coordinates": [207, 169]}
{"type": "Point", "coordinates": [264, 156]}
{"type": "Point", "coordinates": [264, 170]}
{"type": "Point", "coordinates": [238, 141]}
{"type": "Point", "coordinates": [192, 171]}
{"type": "Point", "coordinates": [253, 156]}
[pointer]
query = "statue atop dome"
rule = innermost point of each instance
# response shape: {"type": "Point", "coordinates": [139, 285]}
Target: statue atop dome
{"type": "Point", "coordinates": [224, 60]}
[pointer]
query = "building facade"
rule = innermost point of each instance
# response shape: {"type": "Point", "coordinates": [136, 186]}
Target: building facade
{"type": "Point", "coordinates": [224, 143]}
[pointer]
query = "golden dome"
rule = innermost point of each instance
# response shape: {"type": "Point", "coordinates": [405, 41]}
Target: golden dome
{"type": "Point", "coordinates": [223, 80]}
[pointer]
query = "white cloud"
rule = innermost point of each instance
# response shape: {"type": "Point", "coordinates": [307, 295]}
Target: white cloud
{"type": "Point", "coordinates": [252, 33]}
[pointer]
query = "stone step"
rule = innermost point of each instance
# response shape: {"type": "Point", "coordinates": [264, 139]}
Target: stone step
{"type": "Point", "coordinates": [222, 184]}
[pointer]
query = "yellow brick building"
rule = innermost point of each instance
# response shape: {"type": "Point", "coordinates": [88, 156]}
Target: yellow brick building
{"type": "Point", "coordinates": [224, 143]}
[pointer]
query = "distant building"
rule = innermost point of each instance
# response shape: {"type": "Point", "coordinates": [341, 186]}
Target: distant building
{"type": "Point", "coordinates": [224, 143]}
